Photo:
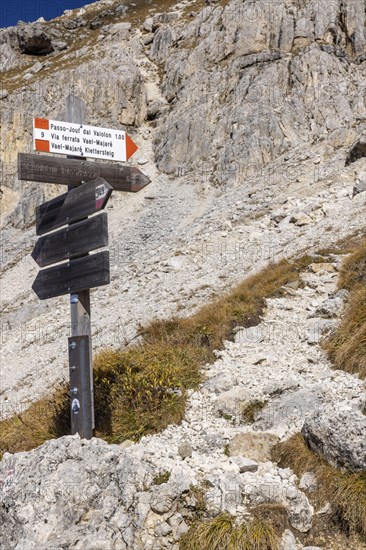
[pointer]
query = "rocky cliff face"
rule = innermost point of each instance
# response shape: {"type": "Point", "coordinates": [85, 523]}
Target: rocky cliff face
{"type": "Point", "coordinates": [250, 118]}
{"type": "Point", "coordinates": [252, 81]}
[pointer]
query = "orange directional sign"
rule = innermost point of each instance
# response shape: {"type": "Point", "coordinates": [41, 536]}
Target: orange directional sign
{"type": "Point", "coordinates": [80, 140]}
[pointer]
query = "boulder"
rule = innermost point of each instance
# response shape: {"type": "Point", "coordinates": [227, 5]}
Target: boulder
{"type": "Point", "coordinates": [256, 446]}
{"type": "Point", "coordinates": [34, 41]}
{"type": "Point", "coordinates": [340, 437]}
{"type": "Point", "coordinates": [121, 10]}
{"type": "Point", "coordinates": [308, 481]}
{"type": "Point", "coordinates": [359, 187]}
{"type": "Point", "coordinates": [69, 24]}
{"type": "Point", "coordinates": [121, 30]}
{"type": "Point", "coordinates": [148, 24]}
{"type": "Point", "coordinates": [289, 408]}
{"type": "Point", "coordinates": [288, 541]}
{"type": "Point", "coordinates": [163, 19]}
{"type": "Point", "coordinates": [90, 494]}
{"type": "Point", "coordinates": [100, 20]}
{"type": "Point", "coordinates": [331, 307]}
{"type": "Point", "coordinates": [154, 108]}
{"type": "Point", "coordinates": [185, 450]}
{"type": "Point", "coordinates": [301, 219]}
{"type": "Point", "coordinates": [59, 45]}
{"type": "Point", "coordinates": [245, 464]}
{"type": "Point", "coordinates": [36, 67]}
{"type": "Point", "coordinates": [230, 403]}
{"type": "Point", "coordinates": [162, 42]}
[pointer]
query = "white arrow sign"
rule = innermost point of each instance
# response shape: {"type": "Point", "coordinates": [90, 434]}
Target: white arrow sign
{"type": "Point", "coordinates": [80, 140]}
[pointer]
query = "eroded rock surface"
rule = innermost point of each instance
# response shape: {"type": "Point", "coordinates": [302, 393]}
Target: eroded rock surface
{"type": "Point", "coordinates": [340, 436]}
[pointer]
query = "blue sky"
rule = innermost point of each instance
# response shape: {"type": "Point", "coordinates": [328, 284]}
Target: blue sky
{"type": "Point", "coordinates": [11, 11]}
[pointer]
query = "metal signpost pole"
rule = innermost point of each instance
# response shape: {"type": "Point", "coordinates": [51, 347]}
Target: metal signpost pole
{"type": "Point", "coordinates": [80, 347]}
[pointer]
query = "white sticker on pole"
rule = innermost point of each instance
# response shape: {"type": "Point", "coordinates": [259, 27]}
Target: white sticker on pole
{"type": "Point", "coordinates": [80, 140]}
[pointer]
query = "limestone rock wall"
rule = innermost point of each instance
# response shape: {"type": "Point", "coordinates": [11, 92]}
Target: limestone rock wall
{"type": "Point", "coordinates": [251, 81]}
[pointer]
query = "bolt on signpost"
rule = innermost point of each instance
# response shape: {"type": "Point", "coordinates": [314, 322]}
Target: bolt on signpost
{"type": "Point", "coordinates": [90, 186]}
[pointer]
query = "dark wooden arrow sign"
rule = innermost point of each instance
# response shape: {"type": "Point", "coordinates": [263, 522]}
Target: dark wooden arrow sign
{"type": "Point", "coordinates": [47, 169]}
{"type": "Point", "coordinates": [78, 238]}
{"type": "Point", "coordinates": [73, 276]}
{"type": "Point", "coordinates": [72, 206]}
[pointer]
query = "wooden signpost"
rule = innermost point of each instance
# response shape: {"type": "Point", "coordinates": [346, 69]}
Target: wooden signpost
{"type": "Point", "coordinates": [73, 172]}
{"type": "Point", "coordinates": [73, 206]}
{"type": "Point", "coordinates": [78, 238]}
{"type": "Point", "coordinates": [90, 185]}
{"type": "Point", "coordinates": [73, 276]}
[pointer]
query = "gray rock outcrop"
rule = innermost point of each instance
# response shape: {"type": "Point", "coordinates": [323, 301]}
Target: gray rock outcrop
{"type": "Point", "coordinates": [87, 494]}
{"type": "Point", "coordinates": [340, 437]}
{"type": "Point", "coordinates": [33, 40]}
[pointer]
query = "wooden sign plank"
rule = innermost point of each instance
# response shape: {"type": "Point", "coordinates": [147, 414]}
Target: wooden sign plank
{"type": "Point", "coordinates": [72, 206]}
{"type": "Point", "coordinates": [74, 240]}
{"type": "Point", "coordinates": [50, 169]}
{"type": "Point", "coordinates": [73, 276]}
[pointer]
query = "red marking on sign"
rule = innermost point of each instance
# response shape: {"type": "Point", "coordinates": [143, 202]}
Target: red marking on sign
{"type": "Point", "coordinates": [42, 123]}
{"type": "Point", "coordinates": [131, 147]}
{"type": "Point", "coordinates": [100, 194]}
{"type": "Point", "coordinates": [42, 145]}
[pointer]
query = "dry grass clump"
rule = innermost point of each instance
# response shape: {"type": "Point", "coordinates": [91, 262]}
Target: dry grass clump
{"type": "Point", "coordinates": [161, 478]}
{"type": "Point", "coordinates": [250, 411]}
{"type": "Point", "coordinates": [142, 389]}
{"type": "Point", "coordinates": [244, 306]}
{"type": "Point", "coordinates": [353, 271]}
{"type": "Point", "coordinates": [347, 345]}
{"type": "Point", "coordinates": [38, 423]}
{"type": "Point", "coordinates": [345, 491]}
{"type": "Point", "coordinates": [261, 532]}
